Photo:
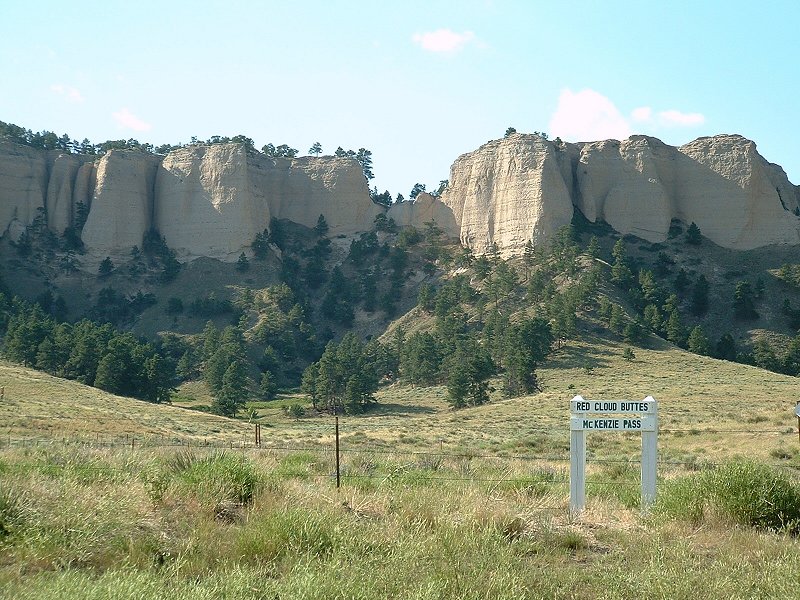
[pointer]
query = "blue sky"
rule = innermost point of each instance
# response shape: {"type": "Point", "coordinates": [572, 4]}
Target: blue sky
{"type": "Point", "coordinates": [417, 83]}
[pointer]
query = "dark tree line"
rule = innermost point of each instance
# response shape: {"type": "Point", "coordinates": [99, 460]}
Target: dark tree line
{"type": "Point", "coordinates": [97, 355]}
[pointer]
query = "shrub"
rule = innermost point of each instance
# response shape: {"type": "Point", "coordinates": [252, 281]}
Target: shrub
{"type": "Point", "coordinates": [744, 492]}
{"type": "Point", "coordinates": [222, 477]}
{"type": "Point", "coordinates": [10, 512]}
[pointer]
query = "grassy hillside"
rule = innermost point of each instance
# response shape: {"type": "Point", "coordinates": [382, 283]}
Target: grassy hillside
{"type": "Point", "coordinates": [435, 503]}
{"type": "Point", "coordinates": [708, 409]}
{"type": "Point", "coordinates": [39, 406]}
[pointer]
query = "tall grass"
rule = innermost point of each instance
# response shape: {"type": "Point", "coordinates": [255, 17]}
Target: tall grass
{"type": "Point", "coordinates": [294, 536]}
{"type": "Point", "coordinates": [742, 492]}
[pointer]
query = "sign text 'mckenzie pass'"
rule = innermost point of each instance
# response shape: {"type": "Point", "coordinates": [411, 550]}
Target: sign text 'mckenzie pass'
{"type": "Point", "coordinates": [618, 424]}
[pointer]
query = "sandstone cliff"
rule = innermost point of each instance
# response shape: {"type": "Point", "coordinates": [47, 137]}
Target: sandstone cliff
{"type": "Point", "coordinates": [213, 200]}
{"type": "Point", "coordinates": [524, 187]}
{"type": "Point", "coordinates": [206, 204]}
{"type": "Point", "coordinates": [508, 192]}
{"type": "Point", "coordinates": [205, 200]}
{"type": "Point", "coordinates": [121, 208]}
{"type": "Point", "coordinates": [424, 209]}
{"type": "Point", "coordinates": [23, 184]}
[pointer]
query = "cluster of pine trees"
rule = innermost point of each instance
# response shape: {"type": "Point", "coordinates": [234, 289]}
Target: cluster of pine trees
{"type": "Point", "coordinates": [97, 355]}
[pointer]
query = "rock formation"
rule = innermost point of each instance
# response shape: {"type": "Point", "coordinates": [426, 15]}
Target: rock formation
{"type": "Point", "coordinates": [302, 189]}
{"type": "Point", "coordinates": [61, 189]}
{"type": "Point", "coordinates": [523, 187]}
{"type": "Point", "coordinates": [213, 200]}
{"type": "Point", "coordinates": [121, 207]}
{"type": "Point", "coordinates": [424, 209]}
{"type": "Point", "coordinates": [206, 205]}
{"type": "Point", "coordinates": [507, 192]}
{"type": "Point", "coordinates": [23, 184]}
{"type": "Point", "coordinates": [205, 200]}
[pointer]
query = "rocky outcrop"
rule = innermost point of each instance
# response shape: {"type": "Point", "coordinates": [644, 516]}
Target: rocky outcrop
{"type": "Point", "coordinates": [302, 189]}
{"type": "Point", "coordinates": [23, 184]}
{"type": "Point", "coordinates": [121, 208]}
{"type": "Point", "coordinates": [508, 192]}
{"type": "Point", "coordinates": [523, 188]}
{"type": "Point", "coordinates": [627, 184]}
{"type": "Point", "coordinates": [213, 200]}
{"type": "Point", "coordinates": [424, 209]}
{"type": "Point", "coordinates": [62, 188]}
{"type": "Point", "coordinates": [735, 196]}
{"type": "Point", "coordinates": [207, 202]}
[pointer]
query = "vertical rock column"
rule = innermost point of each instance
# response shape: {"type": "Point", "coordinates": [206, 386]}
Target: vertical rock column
{"type": "Point", "coordinates": [122, 203]}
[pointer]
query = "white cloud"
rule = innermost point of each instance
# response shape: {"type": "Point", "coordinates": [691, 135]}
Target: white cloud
{"type": "Point", "coordinates": [69, 93]}
{"type": "Point", "coordinates": [445, 41]}
{"type": "Point", "coordinates": [642, 114]}
{"type": "Point", "coordinates": [128, 120]}
{"type": "Point", "coordinates": [586, 116]}
{"type": "Point", "coordinates": [676, 118]}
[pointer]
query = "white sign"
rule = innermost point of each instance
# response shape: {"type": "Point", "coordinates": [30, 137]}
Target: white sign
{"type": "Point", "coordinates": [580, 422]}
{"type": "Point", "coordinates": [797, 410]}
{"type": "Point", "coordinates": [612, 407]}
{"type": "Point", "coordinates": [630, 424]}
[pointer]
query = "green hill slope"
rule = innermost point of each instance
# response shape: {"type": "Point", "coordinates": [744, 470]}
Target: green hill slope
{"type": "Point", "coordinates": [39, 406]}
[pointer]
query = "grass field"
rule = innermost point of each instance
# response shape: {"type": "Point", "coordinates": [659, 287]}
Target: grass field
{"type": "Point", "coordinates": [435, 503]}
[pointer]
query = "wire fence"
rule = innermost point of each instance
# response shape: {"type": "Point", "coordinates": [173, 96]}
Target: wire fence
{"type": "Point", "coordinates": [431, 466]}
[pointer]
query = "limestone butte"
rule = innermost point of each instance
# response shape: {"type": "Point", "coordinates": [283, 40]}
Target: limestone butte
{"type": "Point", "coordinates": [507, 192]}
{"type": "Point", "coordinates": [205, 200]}
{"type": "Point", "coordinates": [211, 200]}
{"type": "Point", "coordinates": [523, 187]}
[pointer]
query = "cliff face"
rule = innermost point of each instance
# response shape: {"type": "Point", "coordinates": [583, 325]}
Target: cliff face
{"type": "Point", "coordinates": [508, 192]}
{"type": "Point", "coordinates": [523, 188]}
{"type": "Point", "coordinates": [213, 200]}
{"type": "Point", "coordinates": [206, 204]}
{"type": "Point", "coordinates": [424, 209]}
{"type": "Point", "coordinates": [23, 185]}
{"type": "Point", "coordinates": [121, 207]}
{"type": "Point", "coordinates": [302, 189]}
{"type": "Point", "coordinates": [205, 200]}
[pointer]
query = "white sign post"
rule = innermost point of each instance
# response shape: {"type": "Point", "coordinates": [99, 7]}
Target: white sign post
{"type": "Point", "coordinates": [641, 416]}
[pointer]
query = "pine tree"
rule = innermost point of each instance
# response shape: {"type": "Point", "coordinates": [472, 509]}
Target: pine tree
{"type": "Point", "coordinates": [528, 258]}
{"type": "Point", "coordinates": [616, 322]}
{"type": "Point", "coordinates": [621, 273]}
{"type": "Point", "coordinates": [593, 249]}
{"type": "Point", "coordinates": [321, 228]}
{"type": "Point", "coordinates": [699, 300]}
{"type": "Point", "coordinates": [676, 333]}
{"type": "Point", "coordinates": [743, 302]}
{"type": "Point", "coordinates": [233, 392]}
{"type": "Point", "coordinates": [267, 387]}
{"type": "Point", "coordinates": [698, 342]}
{"type": "Point", "coordinates": [725, 348]}
{"type": "Point", "coordinates": [693, 235]}
{"type": "Point", "coordinates": [106, 267]}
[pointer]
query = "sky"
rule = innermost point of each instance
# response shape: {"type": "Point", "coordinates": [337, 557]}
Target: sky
{"type": "Point", "coordinates": [417, 83]}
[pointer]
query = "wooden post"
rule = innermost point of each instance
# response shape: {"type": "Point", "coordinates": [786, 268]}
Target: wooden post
{"type": "Point", "coordinates": [577, 468]}
{"type": "Point", "coordinates": [650, 460]}
{"type": "Point", "coordinates": [797, 412]}
{"type": "Point", "coordinates": [338, 475]}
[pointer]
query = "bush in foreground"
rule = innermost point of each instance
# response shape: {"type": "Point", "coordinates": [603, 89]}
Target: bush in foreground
{"type": "Point", "coordinates": [744, 492]}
